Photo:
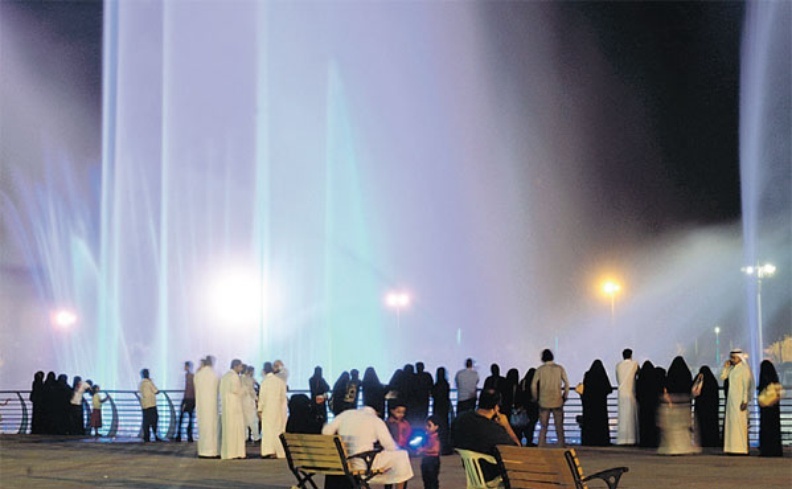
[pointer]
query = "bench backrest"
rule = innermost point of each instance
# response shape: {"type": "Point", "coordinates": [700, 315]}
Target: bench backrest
{"type": "Point", "coordinates": [540, 468]}
{"type": "Point", "coordinates": [324, 454]}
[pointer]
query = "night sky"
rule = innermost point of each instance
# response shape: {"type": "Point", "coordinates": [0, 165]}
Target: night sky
{"type": "Point", "coordinates": [681, 59]}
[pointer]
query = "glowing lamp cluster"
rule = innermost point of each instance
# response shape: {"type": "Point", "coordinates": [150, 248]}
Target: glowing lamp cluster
{"type": "Point", "coordinates": [397, 300]}
{"type": "Point", "coordinates": [761, 271]}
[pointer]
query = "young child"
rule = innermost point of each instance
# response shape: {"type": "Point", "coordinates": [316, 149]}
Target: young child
{"type": "Point", "coordinates": [96, 413]}
{"type": "Point", "coordinates": [430, 463]}
{"type": "Point", "coordinates": [399, 427]}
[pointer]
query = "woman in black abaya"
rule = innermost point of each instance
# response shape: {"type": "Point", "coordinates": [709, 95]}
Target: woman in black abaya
{"type": "Point", "coordinates": [706, 408]}
{"type": "Point", "coordinates": [441, 409]}
{"type": "Point", "coordinates": [596, 388]}
{"type": "Point", "coordinates": [373, 391]}
{"type": "Point", "coordinates": [37, 400]}
{"type": "Point", "coordinates": [647, 393]}
{"type": "Point", "coordinates": [337, 404]}
{"type": "Point", "coordinates": [769, 416]}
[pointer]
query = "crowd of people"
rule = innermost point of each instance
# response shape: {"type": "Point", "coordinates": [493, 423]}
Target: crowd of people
{"type": "Point", "coordinates": [670, 410]}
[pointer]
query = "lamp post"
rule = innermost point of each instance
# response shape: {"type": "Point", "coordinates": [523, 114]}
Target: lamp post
{"type": "Point", "coordinates": [610, 289]}
{"type": "Point", "coordinates": [397, 301]}
{"type": "Point", "coordinates": [717, 345]}
{"type": "Point", "coordinates": [760, 272]}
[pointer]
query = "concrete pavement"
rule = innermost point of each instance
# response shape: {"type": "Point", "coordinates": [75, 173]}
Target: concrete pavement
{"type": "Point", "coordinates": [44, 462]}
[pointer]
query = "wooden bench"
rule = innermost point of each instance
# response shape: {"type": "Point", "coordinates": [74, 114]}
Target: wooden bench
{"type": "Point", "coordinates": [548, 468]}
{"type": "Point", "coordinates": [311, 455]}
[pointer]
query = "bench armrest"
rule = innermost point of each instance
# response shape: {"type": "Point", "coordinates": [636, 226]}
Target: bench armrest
{"type": "Point", "coordinates": [367, 457]}
{"type": "Point", "coordinates": [610, 476]}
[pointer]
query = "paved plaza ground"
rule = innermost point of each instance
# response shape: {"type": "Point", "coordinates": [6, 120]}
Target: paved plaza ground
{"type": "Point", "coordinates": [65, 463]}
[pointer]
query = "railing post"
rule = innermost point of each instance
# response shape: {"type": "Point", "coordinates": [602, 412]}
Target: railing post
{"type": "Point", "coordinates": [23, 423]}
{"type": "Point", "coordinates": [114, 419]}
{"type": "Point", "coordinates": [171, 424]}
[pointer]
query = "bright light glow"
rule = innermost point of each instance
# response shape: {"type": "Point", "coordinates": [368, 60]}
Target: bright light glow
{"type": "Point", "coordinates": [761, 271]}
{"type": "Point", "coordinates": [611, 288]}
{"type": "Point", "coordinates": [397, 300]}
{"type": "Point", "coordinates": [717, 330]}
{"type": "Point", "coordinates": [237, 298]}
{"type": "Point", "coordinates": [64, 318]}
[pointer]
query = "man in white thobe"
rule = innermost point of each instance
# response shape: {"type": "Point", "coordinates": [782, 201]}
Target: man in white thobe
{"type": "Point", "coordinates": [735, 431]}
{"type": "Point", "coordinates": [281, 371]}
{"type": "Point", "coordinates": [206, 390]}
{"type": "Point", "coordinates": [360, 429]}
{"type": "Point", "coordinates": [249, 402]}
{"type": "Point", "coordinates": [272, 404]}
{"type": "Point", "coordinates": [626, 371]}
{"type": "Point", "coordinates": [232, 415]}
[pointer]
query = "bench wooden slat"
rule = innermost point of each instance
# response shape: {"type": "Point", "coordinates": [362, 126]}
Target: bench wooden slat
{"type": "Point", "coordinates": [311, 455]}
{"type": "Point", "coordinates": [548, 468]}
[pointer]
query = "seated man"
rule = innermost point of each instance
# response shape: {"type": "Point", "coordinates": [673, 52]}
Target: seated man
{"type": "Point", "coordinates": [360, 429]}
{"type": "Point", "coordinates": [482, 429]}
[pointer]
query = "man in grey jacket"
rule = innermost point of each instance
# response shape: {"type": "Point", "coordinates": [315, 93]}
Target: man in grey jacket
{"type": "Point", "coordinates": [550, 387]}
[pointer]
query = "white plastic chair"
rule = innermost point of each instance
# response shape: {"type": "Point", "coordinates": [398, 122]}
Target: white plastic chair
{"type": "Point", "coordinates": [473, 473]}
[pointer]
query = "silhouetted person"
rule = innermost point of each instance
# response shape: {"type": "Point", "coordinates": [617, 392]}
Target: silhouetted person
{"type": "Point", "coordinates": [550, 386]}
{"type": "Point", "coordinates": [352, 392]}
{"type": "Point", "coordinates": [77, 413]}
{"type": "Point", "coordinates": [508, 390]}
{"type": "Point", "coordinates": [49, 398]}
{"type": "Point", "coordinates": [423, 389]}
{"type": "Point", "coordinates": [37, 424]}
{"type": "Point", "coordinates": [302, 418]}
{"type": "Point", "coordinates": [373, 390]}
{"type": "Point", "coordinates": [495, 381]}
{"type": "Point", "coordinates": [441, 409]}
{"type": "Point", "coordinates": [339, 391]}
{"type": "Point", "coordinates": [320, 392]}
{"type": "Point", "coordinates": [466, 381]}
{"type": "Point", "coordinates": [706, 409]}
{"type": "Point", "coordinates": [647, 393]}
{"type": "Point", "coordinates": [63, 395]}
{"type": "Point", "coordinates": [188, 403]}
{"type": "Point", "coordinates": [674, 415]}
{"type": "Point", "coordinates": [769, 416]}
{"type": "Point", "coordinates": [595, 430]}
{"type": "Point", "coordinates": [524, 399]}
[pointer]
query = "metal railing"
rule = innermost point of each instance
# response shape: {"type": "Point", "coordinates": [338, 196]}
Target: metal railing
{"type": "Point", "coordinates": [122, 416]}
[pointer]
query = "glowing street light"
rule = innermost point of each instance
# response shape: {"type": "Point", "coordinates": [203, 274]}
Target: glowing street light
{"type": "Point", "coordinates": [397, 301]}
{"type": "Point", "coordinates": [63, 319]}
{"type": "Point", "coordinates": [611, 288]}
{"type": "Point", "coordinates": [760, 272]}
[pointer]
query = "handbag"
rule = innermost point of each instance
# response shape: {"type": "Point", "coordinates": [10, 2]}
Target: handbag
{"type": "Point", "coordinates": [518, 417]}
{"type": "Point", "coordinates": [770, 395]}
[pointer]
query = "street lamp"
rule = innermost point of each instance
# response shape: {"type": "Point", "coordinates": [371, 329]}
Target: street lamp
{"type": "Point", "coordinates": [760, 272]}
{"type": "Point", "coordinates": [610, 289]}
{"type": "Point", "coordinates": [717, 345]}
{"type": "Point", "coordinates": [398, 301]}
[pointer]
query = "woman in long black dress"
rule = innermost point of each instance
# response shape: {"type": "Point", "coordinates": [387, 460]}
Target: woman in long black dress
{"type": "Point", "coordinates": [706, 408]}
{"type": "Point", "coordinates": [770, 416]}
{"type": "Point", "coordinates": [596, 388]}
{"type": "Point", "coordinates": [674, 420]}
{"type": "Point", "coordinates": [319, 393]}
{"type": "Point", "coordinates": [441, 408]}
{"type": "Point", "coordinates": [647, 392]}
{"type": "Point", "coordinates": [337, 404]}
{"type": "Point", "coordinates": [37, 400]}
{"type": "Point", "coordinates": [373, 391]}
{"type": "Point", "coordinates": [531, 406]}
{"type": "Point", "coordinates": [509, 385]}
